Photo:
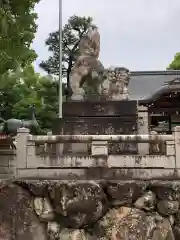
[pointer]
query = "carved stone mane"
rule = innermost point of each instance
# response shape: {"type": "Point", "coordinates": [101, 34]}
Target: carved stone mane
{"type": "Point", "coordinates": [90, 44]}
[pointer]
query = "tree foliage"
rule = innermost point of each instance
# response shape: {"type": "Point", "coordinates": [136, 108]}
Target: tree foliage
{"type": "Point", "coordinates": [20, 85]}
{"type": "Point", "coordinates": [175, 64]}
{"type": "Point", "coordinates": [22, 88]}
{"type": "Point", "coordinates": [72, 33]}
{"type": "Point", "coordinates": [17, 29]}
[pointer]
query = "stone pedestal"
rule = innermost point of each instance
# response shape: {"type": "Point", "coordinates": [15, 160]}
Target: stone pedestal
{"type": "Point", "coordinates": [98, 118]}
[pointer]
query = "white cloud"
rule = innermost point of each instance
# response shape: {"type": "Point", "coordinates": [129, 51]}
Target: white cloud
{"type": "Point", "coordinates": [138, 34]}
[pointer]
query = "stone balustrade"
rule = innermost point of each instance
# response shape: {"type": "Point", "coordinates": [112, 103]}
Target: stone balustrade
{"type": "Point", "coordinates": [98, 163]}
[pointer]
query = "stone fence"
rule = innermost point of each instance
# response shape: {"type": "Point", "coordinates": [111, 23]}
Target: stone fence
{"type": "Point", "coordinates": [28, 161]}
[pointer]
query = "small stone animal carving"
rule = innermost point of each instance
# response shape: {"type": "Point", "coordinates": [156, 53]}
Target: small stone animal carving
{"type": "Point", "coordinates": [87, 68]}
{"type": "Point", "coordinates": [11, 126]}
{"type": "Point", "coordinates": [116, 83]}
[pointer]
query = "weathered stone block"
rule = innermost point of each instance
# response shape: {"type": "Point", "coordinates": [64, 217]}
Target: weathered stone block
{"type": "Point", "coordinates": [99, 108]}
{"type": "Point", "coordinates": [98, 118]}
{"type": "Point", "coordinates": [99, 148]}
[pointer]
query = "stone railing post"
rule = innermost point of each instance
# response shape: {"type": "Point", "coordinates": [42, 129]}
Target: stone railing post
{"type": "Point", "coordinates": [48, 147]}
{"type": "Point", "coordinates": [53, 148]}
{"type": "Point", "coordinates": [143, 128]}
{"type": "Point", "coordinates": [170, 148]}
{"type": "Point", "coordinates": [176, 133]}
{"type": "Point", "coordinates": [154, 147]}
{"type": "Point", "coordinates": [57, 148]}
{"type": "Point", "coordinates": [31, 154]}
{"type": "Point", "coordinates": [99, 150]}
{"type": "Point", "coordinates": [21, 148]}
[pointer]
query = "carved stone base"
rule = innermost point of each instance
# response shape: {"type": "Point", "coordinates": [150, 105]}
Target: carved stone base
{"type": "Point", "coordinates": [98, 118]}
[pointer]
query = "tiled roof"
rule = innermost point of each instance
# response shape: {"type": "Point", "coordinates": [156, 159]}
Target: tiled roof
{"type": "Point", "coordinates": [145, 83]}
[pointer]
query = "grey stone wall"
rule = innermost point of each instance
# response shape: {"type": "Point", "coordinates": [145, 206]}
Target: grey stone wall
{"type": "Point", "coordinates": [89, 210]}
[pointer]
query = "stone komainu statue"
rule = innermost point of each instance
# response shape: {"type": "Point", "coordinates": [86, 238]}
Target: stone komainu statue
{"type": "Point", "coordinates": [115, 84]}
{"type": "Point", "coordinates": [87, 68]}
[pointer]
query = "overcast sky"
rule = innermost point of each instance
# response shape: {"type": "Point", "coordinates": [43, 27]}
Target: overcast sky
{"type": "Point", "coordinates": [137, 34]}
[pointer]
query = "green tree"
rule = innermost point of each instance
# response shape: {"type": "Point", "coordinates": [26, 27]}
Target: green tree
{"type": "Point", "coordinates": [17, 29]}
{"type": "Point", "coordinates": [47, 93]}
{"type": "Point", "coordinates": [175, 64]}
{"type": "Point", "coordinates": [22, 88]}
{"type": "Point", "coordinates": [17, 91]}
{"type": "Point", "coordinates": [72, 33]}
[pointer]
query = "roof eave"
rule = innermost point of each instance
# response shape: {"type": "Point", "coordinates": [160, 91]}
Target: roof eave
{"type": "Point", "coordinates": [147, 73]}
